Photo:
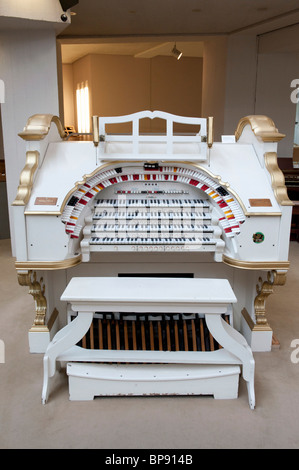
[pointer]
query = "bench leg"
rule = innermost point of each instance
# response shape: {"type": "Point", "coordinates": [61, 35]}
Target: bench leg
{"type": "Point", "coordinates": [62, 341]}
{"type": "Point", "coordinates": [235, 343]}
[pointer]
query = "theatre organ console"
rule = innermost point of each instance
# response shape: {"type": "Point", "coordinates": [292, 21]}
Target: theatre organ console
{"type": "Point", "coordinates": [171, 207]}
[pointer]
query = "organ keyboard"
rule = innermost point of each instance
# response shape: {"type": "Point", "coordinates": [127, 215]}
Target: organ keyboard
{"type": "Point", "coordinates": [176, 206]}
{"type": "Point", "coordinates": [152, 215]}
{"type": "Point", "coordinates": [153, 221]}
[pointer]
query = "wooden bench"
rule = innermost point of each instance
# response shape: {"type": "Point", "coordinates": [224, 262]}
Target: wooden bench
{"type": "Point", "coordinates": [113, 372]}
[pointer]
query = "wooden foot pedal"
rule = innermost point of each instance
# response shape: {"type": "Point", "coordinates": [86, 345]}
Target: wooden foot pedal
{"type": "Point", "coordinates": [87, 381]}
{"type": "Point", "coordinates": [150, 333]}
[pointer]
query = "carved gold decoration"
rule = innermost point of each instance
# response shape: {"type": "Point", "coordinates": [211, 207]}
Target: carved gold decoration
{"type": "Point", "coordinates": [277, 179]}
{"type": "Point", "coordinates": [37, 290]}
{"type": "Point", "coordinates": [49, 265]}
{"type": "Point", "coordinates": [262, 126]}
{"type": "Point", "coordinates": [38, 127]}
{"type": "Point", "coordinates": [26, 178]}
{"type": "Point", "coordinates": [264, 289]}
{"type": "Point", "coordinates": [257, 265]}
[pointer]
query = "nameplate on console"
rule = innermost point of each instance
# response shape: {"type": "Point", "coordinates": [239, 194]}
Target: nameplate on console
{"type": "Point", "coordinates": [260, 203]}
{"type": "Point", "coordinates": [46, 201]}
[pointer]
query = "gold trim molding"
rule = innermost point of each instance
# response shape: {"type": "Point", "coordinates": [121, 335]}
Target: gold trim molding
{"type": "Point", "coordinates": [38, 127]}
{"type": "Point", "coordinates": [261, 126]}
{"type": "Point", "coordinates": [257, 265]}
{"type": "Point", "coordinates": [37, 290]}
{"type": "Point", "coordinates": [277, 179]}
{"type": "Point", "coordinates": [26, 178]}
{"type": "Point", "coordinates": [48, 265]}
{"type": "Point", "coordinates": [264, 289]}
{"type": "Point", "coordinates": [52, 319]}
{"type": "Point", "coordinates": [248, 318]}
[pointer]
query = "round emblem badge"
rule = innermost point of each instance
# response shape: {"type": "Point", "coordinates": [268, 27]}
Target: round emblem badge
{"type": "Point", "coordinates": [258, 237]}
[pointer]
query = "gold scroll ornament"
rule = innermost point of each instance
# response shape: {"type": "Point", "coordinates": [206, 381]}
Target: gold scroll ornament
{"type": "Point", "coordinates": [264, 289]}
{"type": "Point", "coordinates": [36, 129]}
{"type": "Point", "coordinates": [37, 290]}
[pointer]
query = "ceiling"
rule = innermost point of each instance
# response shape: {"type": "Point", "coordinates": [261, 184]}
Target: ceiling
{"type": "Point", "coordinates": [142, 50]}
{"type": "Point", "coordinates": [145, 28]}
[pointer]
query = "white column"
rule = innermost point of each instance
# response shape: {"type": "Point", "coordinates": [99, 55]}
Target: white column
{"type": "Point", "coordinates": [28, 68]}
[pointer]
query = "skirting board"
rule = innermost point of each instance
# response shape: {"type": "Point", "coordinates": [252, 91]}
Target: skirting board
{"type": "Point", "coordinates": [87, 381]}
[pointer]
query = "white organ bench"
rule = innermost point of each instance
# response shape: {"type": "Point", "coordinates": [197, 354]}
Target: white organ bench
{"type": "Point", "coordinates": [150, 257]}
{"type": "Point", "coordinates": [210, 298]}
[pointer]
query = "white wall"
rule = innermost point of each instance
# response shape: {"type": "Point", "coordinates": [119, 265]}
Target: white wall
{"type": "Point", "coordinates": [121, 84]}
{"type": "Point", "coordinates": [273, 94]}
{"type": "Point", "coordinates": [214, 82]}
{"type": "Point", "coordinates": [259, 73]}
{"type": "Point", "coordinates": [29, 70]}
{"type": "Point", "coordinates": [68, 95]}
{"type": "Point", "coordinates": [240, 79]}
{"type": "Point", "coordinates": [41, 10]}
{"type": "Point", "coordinates": [278, 65]}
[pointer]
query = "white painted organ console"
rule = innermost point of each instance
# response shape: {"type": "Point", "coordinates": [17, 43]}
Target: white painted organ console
{"type": "Point", "coordinates": [174, 206]}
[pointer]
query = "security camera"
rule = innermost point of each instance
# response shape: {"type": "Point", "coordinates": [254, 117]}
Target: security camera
{"type": "Point", "coordinates": [63, 17]}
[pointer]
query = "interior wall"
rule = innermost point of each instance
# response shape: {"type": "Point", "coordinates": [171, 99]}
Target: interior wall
{"type": "Point", "coordinates": [68, 95]}
{"type": "Point", "coordinates": [82, 71]}
{"type": "Point", "coordinates": [214, 82]}
{"type": "Point", "coordinates": [4, 218]}
{"type": "Point", "coordinates": [278, 66]}
{"type": "Point", "coordinates": [275, 73]}
{"type": "Point", "coordinates": [239, 75]}
{"type": "Point", "coordinates": [121, 85]}
{"type": "Point", "coordinates": [28, 68]}
{"type": "Point", "coordinates": [240, 81]}
{"type": "Point", "coordinates": [176, 86]}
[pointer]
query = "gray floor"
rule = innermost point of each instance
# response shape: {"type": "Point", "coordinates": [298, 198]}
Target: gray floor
{"type": "Point", "coordinates": [146, 423]}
